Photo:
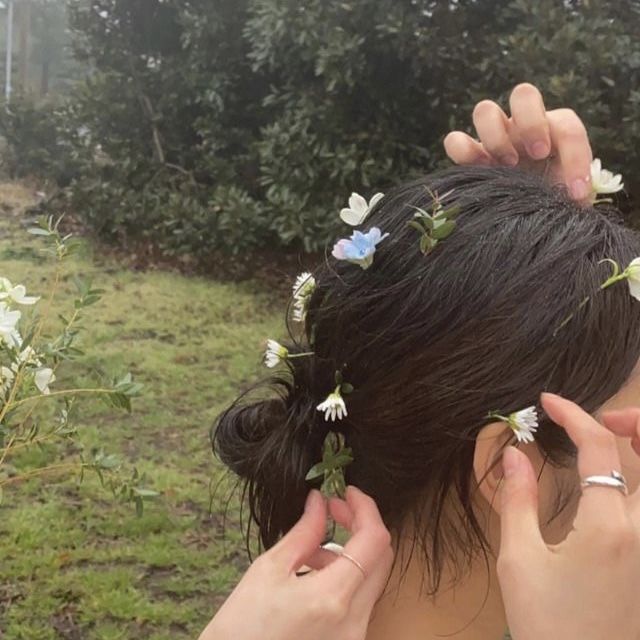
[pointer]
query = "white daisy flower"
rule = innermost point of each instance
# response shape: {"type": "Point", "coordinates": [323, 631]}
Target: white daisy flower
{"type": "Point", "coordinates": [43, 378]}
{"type": "Point", "coordinates": [275, 354]}
{"type": "Point", "coordinates": [8, 321]}
{"type": "Point", "coordinates": [603, 181]}
{"type": "Point", "coordinates": [524, 423]}
{"type": "Point", "coordinates": [18, 293]}
{"type": "Point", "coordinates": [334, 406]}
{"type": "Point", "coordinates": [359, 209]}
{"type": "Point", "coordinates": [633, 277]}
{"type": "Point", "coordinates": [6, 380]}
{"type": "Point", "coordinates": [303, 288]}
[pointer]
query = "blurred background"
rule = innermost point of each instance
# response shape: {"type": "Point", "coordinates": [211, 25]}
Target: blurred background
{"type": "Point", "coordinates": [201, 150]}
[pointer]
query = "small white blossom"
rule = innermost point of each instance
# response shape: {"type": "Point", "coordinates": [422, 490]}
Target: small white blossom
{"type": "Point", "coordinates": [274, 354]}
{"type": "Point", "coordinates": [633, 278]}
{"type": "Point", "coordinates": [603, 181]}
{"type": "Point", "coordinates": [524, 424]}
{"type": "Point", "coordinates": [8, 321]}
{"type": "Point", "coordinates": [302, 291]}
{"type": "Point", "coordinates": [18, 293]}
{"type": "Point", "coordinates": [358, 209]}
{"type": "Point", "coordinates": [6, 380]}
{"type": "Point", "coordinates": [27, 356]}
{"type": "Point", "coordinates": [43, 378]}
{"type": "Point", "coordinates": [333, 407]}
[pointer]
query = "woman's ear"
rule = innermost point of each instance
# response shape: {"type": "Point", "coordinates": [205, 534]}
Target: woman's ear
{"type": "Point", "coordinates": [487, 460]}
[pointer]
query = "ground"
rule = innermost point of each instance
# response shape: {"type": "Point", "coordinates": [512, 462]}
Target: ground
{"type": "Point", "coordinates": [76, 564]}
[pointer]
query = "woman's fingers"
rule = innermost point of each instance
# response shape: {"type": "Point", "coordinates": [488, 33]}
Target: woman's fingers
{"type": "Point", "coordinates": [530, 120]}
{"type": "Point", "coordinates": [303, 540]}
{"type": "Point", "coordinates": [571, 142]}
{"type": "Point", "coordinates": [519, 524]}
{"type": "Point", "coordinates": [624, 423]}
{"type": "Point", "coordinates": [463, 149]}
{"type": "Point", "coordinates": [597, 455]}
{"type": "Point", "coordinates": [341, 513]}
{"type": "Point", "coordinates": [368, 545]}
{"type": "Point", "coordinates": [491, 123]}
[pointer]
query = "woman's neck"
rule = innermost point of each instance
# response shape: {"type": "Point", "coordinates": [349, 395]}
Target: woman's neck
{"type": "Point", "coordinates": [471, 610]}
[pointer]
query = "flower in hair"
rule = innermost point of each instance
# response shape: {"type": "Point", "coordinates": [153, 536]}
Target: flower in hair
{"type": "Point", "coordinates": [277, 353]}
{"type": "Point", "coordinates": [359, 249]}
{"type": "Point", "coordinates": [333, 406]}
{"type": "Point", "coordinates": [524, 423]}
{"type": "Point", "coordinates": [603, 181]}
{"type": "Point", "coordinates": [302, 291]}
{"type": "Point", "coordinates": [633, 278]}
{"type": "Point", "coordinates": [359, 209]}
{"type": "Point", "coordinates": [631, 274]}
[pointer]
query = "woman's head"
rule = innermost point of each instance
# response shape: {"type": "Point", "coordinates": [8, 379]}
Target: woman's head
{"type": "Point", "coordinates": [432, 343]}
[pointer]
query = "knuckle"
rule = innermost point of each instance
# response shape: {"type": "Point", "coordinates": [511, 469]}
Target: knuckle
{"type": "Point", "coordinates": [264, 564]}
{"type": "Point", "coordinates": [382, 537]}
{"type": "Point", "coordinates": [333, 607]}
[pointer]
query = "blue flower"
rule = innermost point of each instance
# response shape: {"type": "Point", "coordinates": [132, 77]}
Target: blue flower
{"type": "Point", "coordinates": [359, 249]}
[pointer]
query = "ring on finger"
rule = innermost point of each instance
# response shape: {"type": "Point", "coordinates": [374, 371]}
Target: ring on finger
{"type": "Point", "coordinates": [615, 480]}
{"type": "Point", "coordinates": [339, 551]}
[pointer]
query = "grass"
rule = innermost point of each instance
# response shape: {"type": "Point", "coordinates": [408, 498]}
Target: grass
{"type": "Point", "coordinates": [78, 565]}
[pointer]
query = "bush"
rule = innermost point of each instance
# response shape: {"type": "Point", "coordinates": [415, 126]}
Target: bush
{"type": "Point", "coordinates": [243, 123]}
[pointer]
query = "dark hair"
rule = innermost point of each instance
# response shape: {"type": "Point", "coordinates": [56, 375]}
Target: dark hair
{"type": "Point", "coordinates": [432, 343]}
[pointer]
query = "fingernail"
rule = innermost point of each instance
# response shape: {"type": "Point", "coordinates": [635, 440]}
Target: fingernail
{"type": "Point", "coordinates": [510, 461]}
{"type": "Point", "coordinates": [539, 150]}
{"type": "Point", "coordinates": [510, 159]}
{"type": "Point", "coordinates": [579, 189]}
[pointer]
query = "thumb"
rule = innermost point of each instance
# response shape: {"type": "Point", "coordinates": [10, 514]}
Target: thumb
{"type": "Point", "coordinates": [519, 524]}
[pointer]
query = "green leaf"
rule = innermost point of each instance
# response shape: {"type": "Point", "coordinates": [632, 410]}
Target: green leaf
{"type": "Point", "coordinates": [38, 232]}
{"type": "Point", "coordinates": [416, 225]}
{"type": "Point", "coordinates": [444, 230]}
{"type": "Point", "coordinates": [145, 493]}
{"type": "Point", "coordinates": [317, 471]}
{"type": "Point", "coordinates": [346, 388]}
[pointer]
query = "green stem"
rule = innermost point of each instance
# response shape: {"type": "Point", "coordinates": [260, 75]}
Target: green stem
{"type": "Point", "coordinates": [572, 315]}
{"type": "Point", "coordinates": [65, 392]}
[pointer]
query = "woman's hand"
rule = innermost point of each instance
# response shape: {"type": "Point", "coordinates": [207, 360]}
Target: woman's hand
{"type": "Point", "coordinates": [587, 587]}
{"type": "Point", "coordinates": [272, 603]}
{"type": "Point", "coordinates": [553, 142]}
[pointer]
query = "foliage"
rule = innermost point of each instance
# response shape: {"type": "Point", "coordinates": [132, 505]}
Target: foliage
{"type": "Point", "coordinates": [32, 414]}
{"type": "Point", "coordinates": [73, 567]}
{"type": "Point", "coordinates": [244, 123]}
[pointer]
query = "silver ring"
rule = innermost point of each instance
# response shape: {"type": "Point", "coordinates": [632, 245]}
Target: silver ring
{"type": "Point", "coordinates": [615, 480]}
{"type": "Point", "coordinates": [339, 551]}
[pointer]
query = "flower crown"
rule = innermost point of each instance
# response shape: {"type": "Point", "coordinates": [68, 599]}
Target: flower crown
{"type": "Point", "coordinates": [434, 225]}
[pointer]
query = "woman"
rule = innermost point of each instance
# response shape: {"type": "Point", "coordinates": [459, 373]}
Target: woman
{"type": "Point", "coordinates": [431, 345]}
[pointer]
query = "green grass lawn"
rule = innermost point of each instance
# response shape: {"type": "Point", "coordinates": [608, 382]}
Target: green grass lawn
{"type": "Point", "coordinates": [74, 563]}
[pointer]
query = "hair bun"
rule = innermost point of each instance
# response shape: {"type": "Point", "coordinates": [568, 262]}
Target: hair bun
{"type": "Point", "coordinates": [271, 445]}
